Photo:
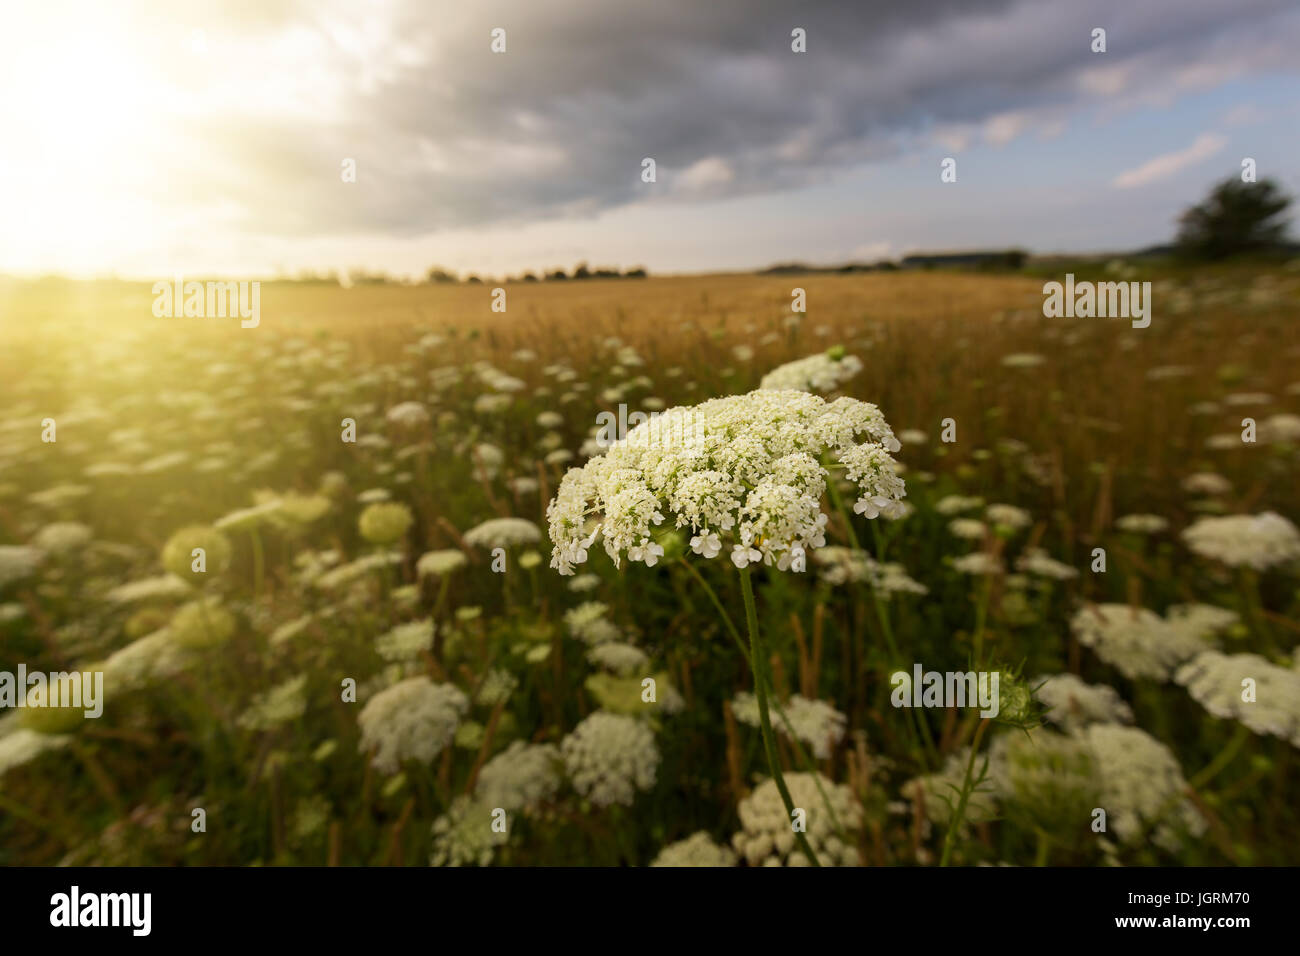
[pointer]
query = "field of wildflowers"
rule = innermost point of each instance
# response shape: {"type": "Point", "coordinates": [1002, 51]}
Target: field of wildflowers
{"type": "Point", "coordinates": [366, 586]}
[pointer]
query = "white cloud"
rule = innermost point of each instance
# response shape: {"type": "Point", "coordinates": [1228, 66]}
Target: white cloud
{"type": "Point", "coordinates": [1164, 166]}
{"type": "Point", "coordinates": [706, 173]}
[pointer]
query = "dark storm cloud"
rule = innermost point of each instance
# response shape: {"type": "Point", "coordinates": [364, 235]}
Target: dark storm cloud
{"type": "Point", "coordinates": [448, 134]}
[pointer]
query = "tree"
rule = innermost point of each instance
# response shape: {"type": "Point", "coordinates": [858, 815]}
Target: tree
{"type": "Point", "coordinates": [1237, 217]}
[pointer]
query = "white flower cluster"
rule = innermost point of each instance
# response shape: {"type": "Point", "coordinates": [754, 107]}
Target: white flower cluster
{"type": "Point", "coordinates": [463, 836]}
{"type": "Point", "coordinates": [63, 537]}
{"type": "Point", "coordinates": [768, 839]}
{"type": "Point", "coordinates": [1008, 517]}
{"type": "Point", "coordinates": [746, 467]}
{"type": "Point", "coordinates": [18, 562]}
{"type": "Point", "coordinates": [815, 722]}
{"type": "Point", "coordinates": [588, 623]}
{"type": "Point", "coordinates": [956, 504]}
{"type": "Point", "coordinates": [1256, 541]}
{"type": "Point", "coordinates": [1207, 483]}
{"type": "Point", "coordinates": [503, 533]}
{"type": "Point", "coordinates": [1136, 641]}
{"type": "Point", "coordinates": [155, 656]}
{"type": "Point", "coordinates": [1142, 524]}
{"type": "Point", "coordinates": [406, 641]}
{"type": "Point", "coordinates": [437, 564]}
{"type": "Point", "coordinates": [610, 757]}
{"type": "Point", "coordinates": [698, 849]}
{"type": "Point", "coordinates": [618, 658]}
{"type": "Point", "coordinates": [408, 415]}
{"type": "Point", "coordinates": [1218, 683]}
{"type": "Point", "coordinates": [1141, 786]}
{"type": "Point", "coordinates": [968, 529]}
{"type": "Point", "coordinates": [823, 372]}
{"type": "Point", "coordinates": [1037, 561]}
{"type": "Point", "coordinates": [979, 564]}
{"type": "Point", "coordinates": [282, 704]}
{"type": "Point", "coordinates": [412, 720]}
{"type": "Point", "coordinates": [1073, 704]}
{"type": "Point", "coordinates": [1049, 775]}
{"type": "Point", "coordinates": [521, 777]}
{"type": "Point", "coordinates": [842, 566]}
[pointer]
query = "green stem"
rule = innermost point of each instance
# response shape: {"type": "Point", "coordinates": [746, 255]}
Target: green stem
{"type": "Point", "coordinates": [959, 814]}
{"type": "Point", "coordinates": [804, 760]}
{"type": "Point", "coordinates": [1225, 757]}
{"type": "Point", "coordinates": [765, 722]}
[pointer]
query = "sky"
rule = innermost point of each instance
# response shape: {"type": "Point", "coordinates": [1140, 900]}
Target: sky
{"type": "Point", "coordinates": [210, 137]}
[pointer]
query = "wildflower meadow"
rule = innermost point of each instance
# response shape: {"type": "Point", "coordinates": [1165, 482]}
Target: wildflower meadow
{"type": "Point", "coordinates": [655, 573]}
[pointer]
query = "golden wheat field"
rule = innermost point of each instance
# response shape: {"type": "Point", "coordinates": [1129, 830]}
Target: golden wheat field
{"type": "Point", "coordinates": [316, 566]}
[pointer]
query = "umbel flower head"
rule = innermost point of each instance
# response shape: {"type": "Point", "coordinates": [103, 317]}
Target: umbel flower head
{"type": "Point", "coordinates": [179, 558]}
{"type": "Point", "coordinates": [384, 522]}
{"type": "Point", "coordinates": [1257, 541]}
{"type": "Point", "coordinates": [1219, 681]}
{"type": "Point", "coordinates": [698, 849]}
{"type": "Point", "coordinates": [412, 720]}
{"type": "Point", "coordinates": [610, 757]}
{"type": "Point", "coordinates": [743, 471]}
{"type": "Point", "coordinates": [831, 814]}
{"type": "Point", "coordinates": [503, 533]}
{"type": "Point", "coordinates": [817, 373]}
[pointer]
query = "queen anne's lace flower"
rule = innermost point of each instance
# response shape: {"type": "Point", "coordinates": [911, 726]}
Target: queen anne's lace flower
{"type": "Point", "coordinates": [621, 659]}
{"type": "Point", "coordinates": [1136, 641]}
{"type": "Point", "coordinates": [767, 836]}
{"type": "Point", "coordinates": [464, 835]}
{"type": "Point", "coordinates": [743, 473]}
{"type": "Point", "coordinates": [1207, 483]}
{"type": "Point", "coordinates": [1218, 683]}
{"type": "Point", "coordinates": [178, 553]}
{"type": "Point", "coordinates": [589, 624]}
{"type": "Point", "coordinates": [968, 529]}
{"type": "Point", "coordinates": [18, 562]}
{"type": "Point", "coordinates": [408, 415]}
{"type": "Point", "coordinates": [412, 720]}
{"type": "Point", "coordinates": [956, 504]}
{"type": "Point", "coordinates": [503, 533]}
{"type": "Point", "coordinates": [1049, 777]}
{"type": "Point", "coordinates": [280, 705]}
{"type": "Point", "coordinates": [815, 722]}
{"type": "Point", "coordinates": [406, 641]}
{"type": "Point", "coordinates": [1072, 704]}
{"type": "Point", "coordinates": [439, 564]}
{"type": "Point", "coordinates": [1142, 524]}
{"type": "Point", "coordinates": [978, 563]}
{"type": "Point", "coordinates": [1008, 516]}
{"type": "Point", "coordinates": [698, 849]}
{"type": "Point", "coordinates": [1141, 786]}
{"type": "Point", "coordinates": [610, 757]}
{"type": "Point", "coordinates": [63, 537]}
{"type": "Point", "coordinates": [1037, 561]}
{"type": "Point", "coordinates": [823, 372]}
{"type": "Point", "coordinates": [1256, 541]}
{"type": "Point", "coordinates": [385, 522]}
{"type": "Point", "coordinates": [521, 777]}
